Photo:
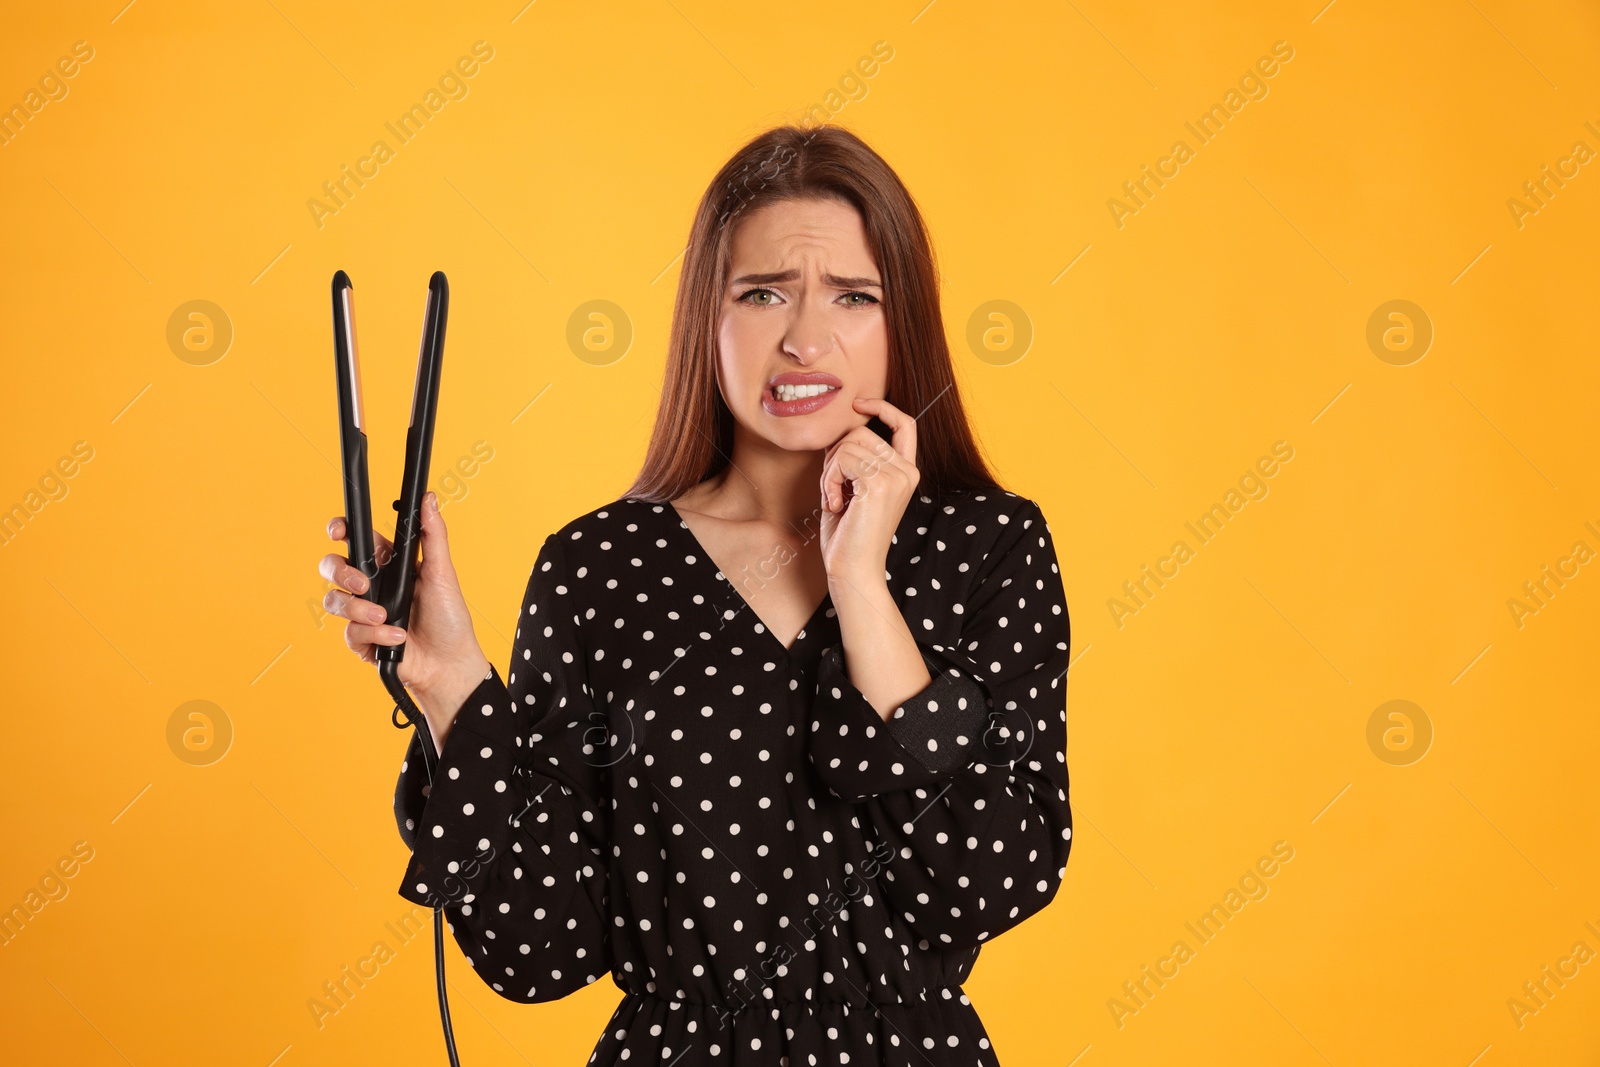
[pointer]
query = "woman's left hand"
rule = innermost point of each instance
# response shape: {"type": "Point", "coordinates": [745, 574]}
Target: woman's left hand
{"type": "Point", "coordinates": [866, 485]}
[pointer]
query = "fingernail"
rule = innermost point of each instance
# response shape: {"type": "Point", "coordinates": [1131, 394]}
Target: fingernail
{"type": "Point", "coordinates": [397, 634]}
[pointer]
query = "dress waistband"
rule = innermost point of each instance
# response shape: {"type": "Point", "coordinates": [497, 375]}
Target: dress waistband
{"type": "Point", "coordinates": [735, 1005]}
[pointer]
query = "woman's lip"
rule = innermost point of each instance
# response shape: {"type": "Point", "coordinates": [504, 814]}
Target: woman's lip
{"type": "Point", "coordinates": [803, 406]}
{"type": "Point", "coordinates": [795, 377]}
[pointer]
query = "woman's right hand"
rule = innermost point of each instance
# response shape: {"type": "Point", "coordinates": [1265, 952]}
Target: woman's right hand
{"type": "Point", "coordinates": [443, 661]}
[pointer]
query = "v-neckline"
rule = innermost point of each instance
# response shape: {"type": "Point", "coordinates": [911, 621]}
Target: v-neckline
{"type": "Point", "coordinates": [675, 519]}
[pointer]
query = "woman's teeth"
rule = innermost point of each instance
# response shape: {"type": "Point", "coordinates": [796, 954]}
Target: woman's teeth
{"type": "Point", "coordinates": [800, 392]}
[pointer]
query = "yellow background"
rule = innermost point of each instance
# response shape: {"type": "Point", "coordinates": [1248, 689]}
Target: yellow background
{"type": "Point", "coordinates": [1229, 313]}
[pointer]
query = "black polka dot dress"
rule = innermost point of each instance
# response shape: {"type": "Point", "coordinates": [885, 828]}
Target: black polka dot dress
{"type": "Point", "coordinates": [660, 791]}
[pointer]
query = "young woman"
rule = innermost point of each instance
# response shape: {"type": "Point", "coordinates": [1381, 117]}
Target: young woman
{"type": "Point", "coordinates": [782, 741]}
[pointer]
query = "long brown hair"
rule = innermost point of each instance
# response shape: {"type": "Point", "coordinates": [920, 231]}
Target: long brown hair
{"type": "Point", "coordinates": [693, 435]}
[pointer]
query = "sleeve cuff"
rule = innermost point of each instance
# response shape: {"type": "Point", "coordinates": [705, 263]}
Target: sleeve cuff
{"type": "Point", "coordinates": [428, 817]}
{"type": "Point", "coordinates": [927, 741]}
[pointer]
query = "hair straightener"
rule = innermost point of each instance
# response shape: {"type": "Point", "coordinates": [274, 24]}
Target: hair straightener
{"type": "Point", "coordinates": [393, 584]}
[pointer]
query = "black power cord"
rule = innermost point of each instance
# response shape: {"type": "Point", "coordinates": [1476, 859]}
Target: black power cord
{"type": "Point", "coordinates": [405, 709]}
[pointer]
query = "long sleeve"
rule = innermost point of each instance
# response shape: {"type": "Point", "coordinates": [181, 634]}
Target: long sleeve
{"type": "Point", "coordinates": [510, 836]}
{"type": "Point", "coordinates": [967, 781]}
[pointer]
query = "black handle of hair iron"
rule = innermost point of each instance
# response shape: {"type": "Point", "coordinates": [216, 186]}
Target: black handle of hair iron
{"type": "Point", "coordinates": [393, 584]}
{"type": "Point", "coordinates": [398, 579]}
{"type": "Point", "coordinates": [352, 435]}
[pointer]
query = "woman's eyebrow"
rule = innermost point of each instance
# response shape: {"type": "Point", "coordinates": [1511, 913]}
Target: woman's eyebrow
{"type": "Point", "coordinates": [791, 275]}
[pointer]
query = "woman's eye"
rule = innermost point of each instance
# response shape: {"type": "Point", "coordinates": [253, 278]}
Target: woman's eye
{"type": "Point", "coordinates": [766, 298]}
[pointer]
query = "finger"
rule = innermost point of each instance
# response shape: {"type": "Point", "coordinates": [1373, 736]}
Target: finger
{"type": "Point", "coordinates": [365, 650]}
{"type": "Point", "coordinates": [358, 634]}
{"type": "Point", "coordinates": [865, 442]}
{"type": "Point", "coordinates": [827, 456]}
{"type": "Point", "coordinates": [832, 483]}
{"type": "Point", "coordinates": [851, 462]}
{"type": "Point", "coordinates": [860, 460]}
{"type": "Point", "coordinates": [862, 463]}
{"type": "Point", "coordinates": [435, 538]}
{"type": "Point", "coordinates": [903, 427]}
{"type": "Point", "coordinates": [383, 548]}
{"type": "Point", "coordinates": [340, 603]}
{"type": "Point", "coordinates": [336, 569]}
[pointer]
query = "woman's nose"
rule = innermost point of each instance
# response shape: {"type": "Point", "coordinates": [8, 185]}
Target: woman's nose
{"type": "Point", "coordinates": [809, 336]}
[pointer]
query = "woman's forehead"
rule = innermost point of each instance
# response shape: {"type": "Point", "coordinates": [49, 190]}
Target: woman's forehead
{"type": "Point", "coordinates": [810, 235]}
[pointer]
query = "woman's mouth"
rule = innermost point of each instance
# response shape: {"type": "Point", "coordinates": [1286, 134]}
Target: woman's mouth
{"type": "Point", "coordinates": [785, 399]}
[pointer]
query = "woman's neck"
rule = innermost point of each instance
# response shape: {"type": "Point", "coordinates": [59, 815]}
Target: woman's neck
{"type": "Point", "coordinates": [763, 482]}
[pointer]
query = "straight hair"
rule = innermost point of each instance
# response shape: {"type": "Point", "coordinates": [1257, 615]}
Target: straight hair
{"type": "Point", "coordinates": [693, 435]}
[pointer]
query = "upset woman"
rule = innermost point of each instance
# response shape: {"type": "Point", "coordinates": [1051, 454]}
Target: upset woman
{"type": "Point", "coordinates": [782, 740]}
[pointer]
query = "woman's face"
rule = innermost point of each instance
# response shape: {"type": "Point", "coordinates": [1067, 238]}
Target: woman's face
{"type": "Point", "coordinates": [802, 313]}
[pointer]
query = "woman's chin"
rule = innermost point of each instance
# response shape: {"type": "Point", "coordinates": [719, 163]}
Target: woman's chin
{"type": "Point", "coordinates": [803, 433]}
